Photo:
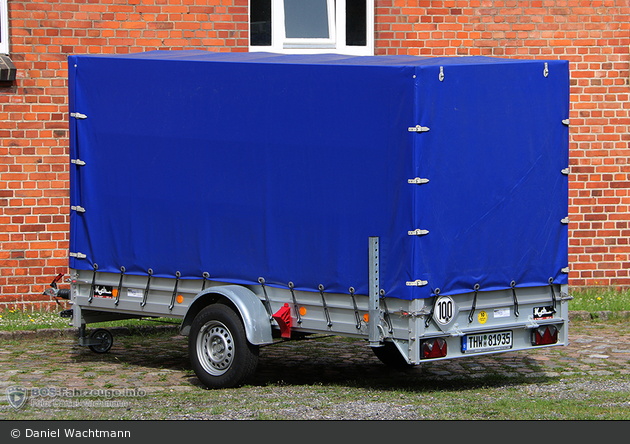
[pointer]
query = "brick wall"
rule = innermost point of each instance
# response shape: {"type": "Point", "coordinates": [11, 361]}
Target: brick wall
{"type": "Point", "coordinates": [591, 34]}
{"type": "Point", "coordinates": [34, 202]}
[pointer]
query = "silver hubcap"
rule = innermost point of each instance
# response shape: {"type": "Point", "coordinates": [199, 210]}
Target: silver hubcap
{"type": "Point", "coordinates": [215, 348]}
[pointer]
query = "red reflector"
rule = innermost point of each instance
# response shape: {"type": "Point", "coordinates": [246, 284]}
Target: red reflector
{"type": "Point", "coordinates": [545, 335]}
{"type": "Point", "coordinates": [433, 348]}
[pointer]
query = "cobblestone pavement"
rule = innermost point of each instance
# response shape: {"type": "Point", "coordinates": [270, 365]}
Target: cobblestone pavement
{"type": "Point", "coordinates": [158, 363]}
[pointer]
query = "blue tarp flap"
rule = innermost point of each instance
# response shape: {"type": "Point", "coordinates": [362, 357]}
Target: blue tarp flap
{"type": "Point", "coordinates": [276, 166]}
{"type": "Point", "coordinates": [494, 155]}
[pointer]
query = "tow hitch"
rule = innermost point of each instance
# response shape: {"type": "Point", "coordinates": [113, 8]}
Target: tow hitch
{"type": "Point", "coordinates": [55, 292]}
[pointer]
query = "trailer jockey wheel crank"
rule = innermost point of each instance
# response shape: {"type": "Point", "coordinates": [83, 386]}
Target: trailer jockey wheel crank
{"type": "Point", "coordinates": [219, 351]}
{"type": "Point", "coordinates": [101, 340]}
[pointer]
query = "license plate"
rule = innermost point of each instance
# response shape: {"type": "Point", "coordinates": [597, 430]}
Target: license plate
{"type": "Point", "coordinates": [498, 340]}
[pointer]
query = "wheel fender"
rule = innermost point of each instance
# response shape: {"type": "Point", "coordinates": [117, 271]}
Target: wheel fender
{"type": "Point", "coordinates": [250, 308]}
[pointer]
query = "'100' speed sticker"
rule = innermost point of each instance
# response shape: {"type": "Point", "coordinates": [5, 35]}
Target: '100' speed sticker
{"type": "Point", "coordinates": [444, 310]}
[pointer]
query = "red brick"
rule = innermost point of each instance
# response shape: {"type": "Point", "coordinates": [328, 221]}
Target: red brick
{"type": "Point", "coordinates": [33, 112]}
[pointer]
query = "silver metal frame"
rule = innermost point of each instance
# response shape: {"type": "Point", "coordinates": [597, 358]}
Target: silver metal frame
{"type": "Point", "coordinates": [406, 323]}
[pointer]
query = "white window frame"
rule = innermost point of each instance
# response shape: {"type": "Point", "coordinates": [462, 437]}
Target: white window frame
{"type": "Point", "coordinates": [4, 27]}
{"type": "Point", "coordinates": [336, 43]}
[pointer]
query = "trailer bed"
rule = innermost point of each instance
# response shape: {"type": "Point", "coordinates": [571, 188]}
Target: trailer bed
{"type": "Point", "coordinates": [418, 203]}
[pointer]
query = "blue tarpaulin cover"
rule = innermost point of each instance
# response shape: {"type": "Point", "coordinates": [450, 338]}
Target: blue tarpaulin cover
{"type": "Point", "coordinates": [282, 166]}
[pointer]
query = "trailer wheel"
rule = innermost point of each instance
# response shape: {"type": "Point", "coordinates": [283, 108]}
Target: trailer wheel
{"type": "Point", "coordinates": [104, 337]}
{"type": "Point", "coordinates": [389, 355]}
{"type": "Point", "coordinates": [220, 353]}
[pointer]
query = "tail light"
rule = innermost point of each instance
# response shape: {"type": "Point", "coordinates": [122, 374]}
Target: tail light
{"type": "Point", "coordinates": [547, 334]}
{"type": "Point", "coordinates": [433, 348]}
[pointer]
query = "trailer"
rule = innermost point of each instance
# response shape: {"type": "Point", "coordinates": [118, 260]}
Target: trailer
{"type": "Point", "coordinates": [420, 204]}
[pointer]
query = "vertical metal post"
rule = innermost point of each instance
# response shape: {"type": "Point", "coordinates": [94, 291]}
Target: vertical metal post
{"type": "Point", "coordinates": [564, 311]}
{"type": "Point", "coordinates": [374, 303]}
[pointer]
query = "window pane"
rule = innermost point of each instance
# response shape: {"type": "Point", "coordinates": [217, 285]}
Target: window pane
{"type": "Point", "coordinates": [356, 19]}
{"type": "Point", "coordinates": [306, 19]}
{"type": "Point", "coordinates": [260, 22]}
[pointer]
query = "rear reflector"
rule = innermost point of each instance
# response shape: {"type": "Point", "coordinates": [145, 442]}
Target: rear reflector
{"type": "Point", "coordinates": [433, 348]}
{"type": "Point", "coordinates": [547, 334]}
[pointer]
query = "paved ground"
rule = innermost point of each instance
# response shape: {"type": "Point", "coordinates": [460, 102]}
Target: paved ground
{"type": "Point", "coordinates": [159, 363]}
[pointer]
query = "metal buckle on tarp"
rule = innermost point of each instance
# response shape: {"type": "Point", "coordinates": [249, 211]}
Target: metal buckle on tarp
{"type": "Point", "coordinates": [418, 129]}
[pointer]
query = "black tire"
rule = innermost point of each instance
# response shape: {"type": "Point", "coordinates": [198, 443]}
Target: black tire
{"type": "Point", "coordinates": [389, 355]}
{"type": "Point", "coordinates": [106, 340]}
{"type": "Point", "coordinates": [220, 353]}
